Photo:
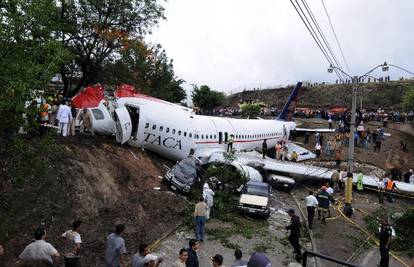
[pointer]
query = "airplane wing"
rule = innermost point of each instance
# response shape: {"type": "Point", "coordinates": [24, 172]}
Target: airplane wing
{"type": "Point", "coordinates": [299, 170]}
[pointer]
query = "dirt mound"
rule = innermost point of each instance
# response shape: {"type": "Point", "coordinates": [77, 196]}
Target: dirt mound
{"type": "Point", "coordinates": [99, 182]}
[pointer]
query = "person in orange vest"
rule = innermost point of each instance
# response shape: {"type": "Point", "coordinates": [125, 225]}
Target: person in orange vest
{"type": "Point", "coordinates": [45, 108]}
{"type": "Point", "coordinates": [389, 187]}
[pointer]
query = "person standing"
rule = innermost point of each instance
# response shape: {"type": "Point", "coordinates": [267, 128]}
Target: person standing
{"type": "Point", "coordinates": [115, 248]}
{"type": "Point", "coordinates": [318, 150]}
{"type": "Point", "coordinates": [53, 113]}
{"type": "Point", "coordinates": [338, 157]}
{"type": "Point", "coordinates": [328, 147]}
{"type": "Point", "coordinates": [230, 143]}
{"type": "Point", "coordinates": [335, 177]}
{"type": "Point", "coordinates": [324, 199]}
{"type": "Point", "coordinates": [389, 187]}
{"type": "Point", "coordinates": [385, 236]}
{"type": "Point", "coordinates": [311, 205]}
{"type": "Point", "coordinates": [407, 176]}
{"type": "Point", "coordinates": [284, 151]}
{"type": "Point", "coordinates": [294, 228]}
{"type": "Point", "coordinates": [182, 258]}
{"type": "Point", "coordinates": [238, 262]}
{"type": "Point", "coordinates": [208, 196]}
{"type": "Point", "coordinates": [193, 247]}
{"type": "Point", "coordinates": [360, 181]}
{"type": "Point", "coordinates": [306, 138]}
{"type": "Point", "coordinates": [330, 123]}
{"type": "Point", "coordinates": [63, 116]}
{"type": "Point", "coordinates": [278, 149]}
{"type": "Point", "coordinates": [45, 109]}
{"type": "Point", "coordinates": [40, 249]}
{"type": "Point", "coordinates": [72, 122]}
{"type": "Point", "coordinates": [377, 146]}
{"type": "Point", "coordinates": [138, 260]}
{"type": "Point", "coordinates": [264, 148]}
{"type": "Point", "coordinates": [73, 245]}
{"type": "Point", "coordinates": [200, 212]}
{"type": "Point", "coordinates": [86, 121]}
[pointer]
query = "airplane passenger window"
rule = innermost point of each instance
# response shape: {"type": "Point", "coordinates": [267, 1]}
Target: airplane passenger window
{"type": "Point", "coordinates": [215, 137]}
{"type": "Point", "coordinates": [146, 125]}
{"type": "Point", "coordinates": [161, 128]}
{"type": "Point", "coordinates": [98, 114]}
{"type": "Point", "coordinates": [179, 132]}
{"type": "Point", "coordinates": [211, 136]}
{"type": "Point", "coordinates": [167, 130]}
{"type": "Point", "coordinates": [154, 126]}
{"type": "Point", "coordinates": [185, 133]}
{"type": "Point", "coordinates": [173, 131]}
{"type": "Point", "coordinates": [202, 136]}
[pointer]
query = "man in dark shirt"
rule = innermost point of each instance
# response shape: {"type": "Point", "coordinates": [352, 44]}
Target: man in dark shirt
{"type": "Point", "coordinates": [264, 148]}
{"type": "Point", "coordinates": [385, 234]}
{"type": "Point", "coordinates": [294, 228]}
{"type": "Point", "coordinates": [323, 198]}
{"type": "Point", "coordinates": [192, 253]}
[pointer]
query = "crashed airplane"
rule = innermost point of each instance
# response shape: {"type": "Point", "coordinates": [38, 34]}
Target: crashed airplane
{"type": "Point", "coordinates": [174, 131]}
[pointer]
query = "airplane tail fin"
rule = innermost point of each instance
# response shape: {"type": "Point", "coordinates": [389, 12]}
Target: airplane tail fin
{"type": "Point", "coordinates": [287, 112]}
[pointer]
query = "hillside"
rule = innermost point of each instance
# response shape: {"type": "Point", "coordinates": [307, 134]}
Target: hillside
{"type": "Point", "coordinates": [97, 181]}
{"type": "Point", "coordinates": [373, 95]}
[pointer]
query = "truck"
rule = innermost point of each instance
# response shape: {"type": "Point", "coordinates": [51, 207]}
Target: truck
{"type": "Point", "coordinates": [255, 198]}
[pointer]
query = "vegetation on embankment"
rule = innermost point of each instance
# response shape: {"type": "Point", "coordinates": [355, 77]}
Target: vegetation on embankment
{"type": "Point", "coordinates": [389, 95]}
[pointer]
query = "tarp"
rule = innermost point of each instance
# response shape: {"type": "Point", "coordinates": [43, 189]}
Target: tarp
{"type": "Point", "coordinates": [89, 97]}
{"type": "Point", "coordinates": [126, 90]}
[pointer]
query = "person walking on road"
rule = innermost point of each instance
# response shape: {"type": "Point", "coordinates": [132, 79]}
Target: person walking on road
{"type": "Point", "coordinates": [311, 205]}
{"type": "Point", "coordinates": [324, 198]}
{"type": "Point", "coordinates": [193, 247]}
{"type": "Point", "coordinates": [73, 245]}
{"type": "Point", "coordinates": [115, 248]}
{"type": "Point", "coordinates": [200, 212]}
{"type": "Point", "coordinates": [294, 228]}
{"type": "Point", "coordinates": [385, 236]}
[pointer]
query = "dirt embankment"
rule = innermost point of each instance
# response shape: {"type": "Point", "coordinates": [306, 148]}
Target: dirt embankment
{"type": "Point", "coordinates": [99, 182]}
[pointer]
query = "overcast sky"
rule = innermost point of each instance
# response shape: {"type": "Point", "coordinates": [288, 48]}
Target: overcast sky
{"type": "Point", "coordinates": [231, 45]}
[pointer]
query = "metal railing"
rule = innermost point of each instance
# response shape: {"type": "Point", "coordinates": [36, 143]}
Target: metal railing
{"type": "Point", "coordinates": [325, 257]}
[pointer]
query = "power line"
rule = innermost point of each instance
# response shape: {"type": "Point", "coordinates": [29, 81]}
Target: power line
{"type": "Point", "coordinates": [321, 33]}
{"type": "Point", "coordinates": [336, 37]}
{"type": "Point", "coordinates": [308, 25]}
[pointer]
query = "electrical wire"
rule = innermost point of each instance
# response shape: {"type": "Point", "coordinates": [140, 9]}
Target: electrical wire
{"type": "Point", "coordinates": [305, 4]}
{"type": "Point", "coordinates": [312, 32]}
{"type": "Point", "coordinates": [336, 37]}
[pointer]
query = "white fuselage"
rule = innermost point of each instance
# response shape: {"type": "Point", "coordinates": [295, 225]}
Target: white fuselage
{"type": "Point", "coordinates": [172, 130]}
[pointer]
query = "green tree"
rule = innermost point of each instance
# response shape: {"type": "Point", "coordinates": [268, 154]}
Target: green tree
{"type": "Point", "coordinates": [29, 56]}
{"type": "Point", "coordinates": [408, 99]}
{"type": "Point", "coordinates": [250, 109]}
{"type": "Point", "coordinates": [205, 98]}
{"type": "Point", "coordinates": [97, 31]}
{"type": "Point", "coordinates": [148, 68]}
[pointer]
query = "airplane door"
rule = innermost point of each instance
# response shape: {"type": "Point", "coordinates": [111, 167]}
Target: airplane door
{"type": "Point", "coordinates": [123, 125]}
{"type": "Point", "coordinates": [220, 137]}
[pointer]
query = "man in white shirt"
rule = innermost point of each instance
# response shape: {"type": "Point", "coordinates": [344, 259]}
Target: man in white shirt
{"type": "Point", "coordinates": [311, 204]}
{"type": "Point", "coordinates": [381, 190]}
{"type": "Point", "coordinates": [40, 249]}
{"type": "Point", "coordinates": [64, 115]}
{"type": "Point", "coordinates": [73, 245]}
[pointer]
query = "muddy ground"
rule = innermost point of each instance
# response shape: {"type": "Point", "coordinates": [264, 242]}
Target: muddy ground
{"type": "Point", "coordinates": [99, 182]}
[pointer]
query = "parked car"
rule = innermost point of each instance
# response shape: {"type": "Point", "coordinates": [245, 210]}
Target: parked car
{"type": "Point", "coordinates": [254, 198]}
{"type": "Point", "coordinates": [280, 182]}
{"type": "Point", "coordinates": [183, 175]}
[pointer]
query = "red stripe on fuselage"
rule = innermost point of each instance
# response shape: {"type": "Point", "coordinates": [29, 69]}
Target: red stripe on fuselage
{"type": "Point", "coordinates": [238, 141]}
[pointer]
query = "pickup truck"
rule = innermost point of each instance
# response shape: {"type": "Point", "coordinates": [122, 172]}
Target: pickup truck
{"type": "Point", "coordinates": [255, 198]}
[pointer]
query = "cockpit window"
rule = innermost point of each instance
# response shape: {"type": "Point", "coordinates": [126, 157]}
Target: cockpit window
{"type": "Point", "coordinates": [154, 126]}
{"type": "Point", "coordinates": [146, 125]}
{"type": "Point", "coordinates": [98, 114]}
{"type": "Point", "coordinates": [179, 132]}
{"type": "Point", "coordinates": [167, 130]}
{"type": "Point", "coordinates": [173, 131]}
{"type": "Point", "coordinates": [161, 128]}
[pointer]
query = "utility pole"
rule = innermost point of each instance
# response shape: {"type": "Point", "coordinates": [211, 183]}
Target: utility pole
{"type": "Point", "coordinates": [348, 193]}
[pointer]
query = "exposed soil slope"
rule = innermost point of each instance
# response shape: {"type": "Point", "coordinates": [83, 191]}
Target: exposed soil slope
{"type": "Point", "coordinates": [99, 182]}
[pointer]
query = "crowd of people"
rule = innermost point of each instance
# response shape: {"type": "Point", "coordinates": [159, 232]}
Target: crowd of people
{"type": "Point", "coordinates": [60, 113]}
